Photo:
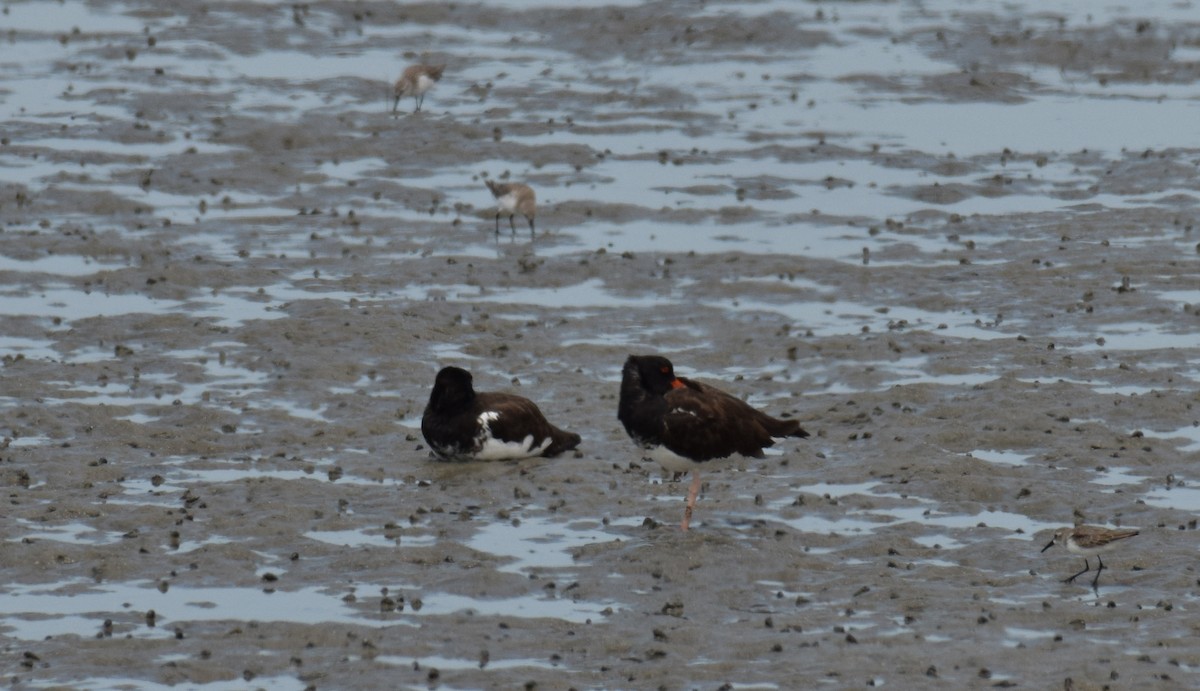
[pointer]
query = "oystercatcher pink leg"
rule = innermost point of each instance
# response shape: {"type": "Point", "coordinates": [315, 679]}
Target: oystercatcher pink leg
{"type": "Point", "coordinates": [691, 499]}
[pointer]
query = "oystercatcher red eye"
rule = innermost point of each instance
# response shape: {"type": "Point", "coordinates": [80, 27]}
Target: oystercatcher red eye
{"type": "Point", "coordinates": [664, 369]}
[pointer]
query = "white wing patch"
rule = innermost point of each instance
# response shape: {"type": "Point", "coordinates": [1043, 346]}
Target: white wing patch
{"type": "Point", "coordinates": [493, 449]}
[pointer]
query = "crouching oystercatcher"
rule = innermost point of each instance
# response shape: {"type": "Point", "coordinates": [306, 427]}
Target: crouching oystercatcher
{"type": "Point", "coordinates": [460, 423]}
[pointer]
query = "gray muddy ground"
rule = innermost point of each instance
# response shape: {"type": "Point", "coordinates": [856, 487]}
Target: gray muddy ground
{"type": "Point", "coordinates": [956, 242]}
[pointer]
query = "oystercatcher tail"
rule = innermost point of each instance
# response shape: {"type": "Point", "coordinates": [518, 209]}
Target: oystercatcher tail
{"type": "Point", "coordinates": [461, 424]}
{"type": "Point", "coordinates": [684, 424]}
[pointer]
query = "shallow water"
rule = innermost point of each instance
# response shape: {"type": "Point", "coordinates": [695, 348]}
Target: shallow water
{"type": "Point", "coordinates": [956, 240]}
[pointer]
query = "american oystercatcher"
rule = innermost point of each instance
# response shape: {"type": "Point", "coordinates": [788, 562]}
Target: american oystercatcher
{"type": "Point", "coordinates": [416, 80]}
{"type": "Point", "coordinates": [513, 198]}
{"type": "Point", "coordinates": [461, 424]}
{"type": "Point", "coordinates": [1088, 540]}
{"type": "Point", "coordinates": [683, 423]}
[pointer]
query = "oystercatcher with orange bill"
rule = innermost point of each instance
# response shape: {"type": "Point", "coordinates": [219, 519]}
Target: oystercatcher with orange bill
{"type": "Point", "coordinates": [683, 424]}
{"type": "Point", "coordinates": [460, 423]}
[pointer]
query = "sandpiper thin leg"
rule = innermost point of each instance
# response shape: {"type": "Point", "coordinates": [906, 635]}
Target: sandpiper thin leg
{"type": "Point", "coordinates": [1086, 568]}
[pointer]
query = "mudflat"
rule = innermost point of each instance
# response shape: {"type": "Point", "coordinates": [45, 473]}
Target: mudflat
{"type": "Point", "coordinates": [957, 243]}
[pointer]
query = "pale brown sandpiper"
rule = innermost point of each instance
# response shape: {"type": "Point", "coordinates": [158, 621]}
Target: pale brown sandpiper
{"type": "Point", "coordinates": [513, 198]}
{"type": "Point", "coordinates": [1089, 540]}
{"type": "Point", "coordinates": [416, 80]}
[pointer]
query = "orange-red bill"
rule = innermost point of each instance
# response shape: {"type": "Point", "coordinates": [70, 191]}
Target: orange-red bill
{"type": "Point", "coordinates": [676, 384]}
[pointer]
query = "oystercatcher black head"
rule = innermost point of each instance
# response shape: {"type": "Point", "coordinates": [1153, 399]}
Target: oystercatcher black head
{"type": "Point", "coordinates": [683, 423]}
{"type": "Point", "coordinates": [460, 423]}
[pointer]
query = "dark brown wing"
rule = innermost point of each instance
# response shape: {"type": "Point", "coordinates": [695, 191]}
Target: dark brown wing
{"type": "Point", "coordinates": [736, 408]}
{"type": "Point", "coordinates": [518, 418]}
{"type": "Point", "coordinates": [775, 427]}
{"type": "Point", "coordinates": [703, 423]}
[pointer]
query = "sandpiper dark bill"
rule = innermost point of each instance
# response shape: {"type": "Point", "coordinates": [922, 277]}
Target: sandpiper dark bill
{"type": "Point", "coordinates": [513, 198]}
{"type": "Point", "coordinates": [415, 80]}
{"type": "Point", "coordinates": [460, 423]}
{"type": "Point", "coordinates": [684, 424]}
{"type": "Point", "coordinates": [1089, 540]}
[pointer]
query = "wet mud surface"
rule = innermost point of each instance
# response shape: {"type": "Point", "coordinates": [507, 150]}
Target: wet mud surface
{"type": "Point", "coordinates": [957, 242]}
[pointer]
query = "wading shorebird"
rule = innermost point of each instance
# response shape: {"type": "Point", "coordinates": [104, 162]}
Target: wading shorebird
{"type": "Point", "coordinates": [1088, 540]}
{"type": "Point", "coordinates": [460, 423]}
{"type": "Point", "coordinates": [416, 80]}
{"type": "Point", "coordinates": [683, 424]}
{"type": "Point", "coordinates": [513, 198]}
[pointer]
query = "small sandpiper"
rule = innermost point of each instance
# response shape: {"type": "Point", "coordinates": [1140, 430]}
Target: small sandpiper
{"type": "Point", "coordinates": [416, 80]}
{"type": "Point", "coordinates": [513, 198]}
{"type": "Point", "coordinates": [1088, 540]}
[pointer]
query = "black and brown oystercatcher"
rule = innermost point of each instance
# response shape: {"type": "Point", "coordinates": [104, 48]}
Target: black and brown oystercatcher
{"type": "Point", "coordinates": [683, 423]}
{"type": "Point", "coordinates": [461, 424]}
